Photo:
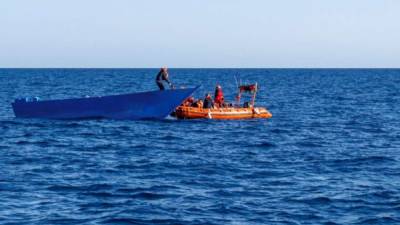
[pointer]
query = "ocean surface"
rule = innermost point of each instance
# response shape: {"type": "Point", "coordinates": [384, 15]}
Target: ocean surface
{"type": "Point", "coordinates": [329, 155]}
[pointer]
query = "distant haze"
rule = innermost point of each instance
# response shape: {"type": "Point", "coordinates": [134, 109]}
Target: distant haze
{"type": "Point", "coordinates": [200, 33]}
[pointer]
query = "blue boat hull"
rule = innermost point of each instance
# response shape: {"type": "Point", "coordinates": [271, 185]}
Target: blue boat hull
{"type": "Point", "coordinates": [144, 105]}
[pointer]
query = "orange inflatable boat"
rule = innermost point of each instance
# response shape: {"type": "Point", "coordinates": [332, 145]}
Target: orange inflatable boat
{"type": "Point", "coordinates": [228, 112]}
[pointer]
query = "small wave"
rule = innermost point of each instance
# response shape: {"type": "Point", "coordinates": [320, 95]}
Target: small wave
{"type": "Point", "coordinates": [71, 125]}
{"type": "Point", "coordinates": [141, 195]}
{"type": "Point", "coordinates": [331, 223]}
{"type": "Point", "coordinates": [313, 200]}
{"type": "Point", "coordinates": [378, 158]}
{"type": "Point", "coordinates": [340, 98]}
{"type": "Point", "coordinates": [124, 221]}
{"type": "Point", "coordinates": [38, 143]}
{"type": "Point", "coordinates": [10, 123]}
{"type": "Point", "coordinates": [223, 193]}
{"type": "Point", "coordinates": [98, 187]}
{"type": "Point", "coordinates": [22, 142]}
{"type": "Point", "coordinates": [279, 131]}
{"type": "Point", "coordinates": [308, 144]}
{"type": "Point", "coordinates": [129, 190]}
{"type": "Point", "coordinates": [141, 189]}
{"type": "Point", "coordinates": [377, 196]}
{"type": "Point", "coordinates": [101, 194]}
{"type": "Point", "coordinates": [379, 220]}
{"type": "Point", "coordinates": [264, 173]}
{"type": "Point", "coordinates": [62, 188]}
{"type": "Point", "coordinates": [124, 128]}
{"type": "Point", "coordinates": [65, 221]}
{"type": "Point", "coordinates": [87, 134]}
{"type": "Point", "coordinates": [151, 196]}
{"type": "Point", "coordinates": [281, 183]}
{"type": "Point", "coordinates": [319, 200]}
{"type": "Point", "coordinates": [171, 137]}
{"type": "Point", "coordinates": [127, 167]}
{"type": "Point", "coordinates": [263, 145]}
{"type": "Point", "coordinates": [103, 147]}
{"type": "Point", "coordinates": [37, 124]}
{"type": "Point", "coordinates": [101, 205]}
{"type": "Point", "coordinates": [140, 146]}
{"type": "Point", "coordinates": [366, 160]}
{"type": "Point", "coordinates": [28, 135]}
{"type": "Point", "coordinates": [136, 165]}
{"type": "Point", "coordinates": [93, 187]}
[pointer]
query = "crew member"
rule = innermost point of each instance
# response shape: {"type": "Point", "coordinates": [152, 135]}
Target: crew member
{"type": "Point", "coordinates": [219, 96]}
{"type": "Point", "coordinates": [208, 102]}
{"type": "Point", "coordinates": [163, 76]}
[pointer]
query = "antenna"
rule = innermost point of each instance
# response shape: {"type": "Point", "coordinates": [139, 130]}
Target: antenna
{"type": "Point", "coordinates": [238, 87]}
{"type": "Point", "coordinates": [236, 81]}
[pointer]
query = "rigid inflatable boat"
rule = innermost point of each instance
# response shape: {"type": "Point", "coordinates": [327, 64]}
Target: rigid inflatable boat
{"type": "Point", "coordinates": [226, 112]}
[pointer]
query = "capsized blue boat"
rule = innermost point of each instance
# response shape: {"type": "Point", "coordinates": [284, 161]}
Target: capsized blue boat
{"type": "Point", "coordinates": [144, 105]}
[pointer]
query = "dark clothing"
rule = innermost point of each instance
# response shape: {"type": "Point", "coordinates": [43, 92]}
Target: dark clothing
{"type": "Point", "coordinates": [160, 85]}
{"type": "Point", "coordinates": [208, 103]}
{"type": "Point", "coordinates": [162, 76]}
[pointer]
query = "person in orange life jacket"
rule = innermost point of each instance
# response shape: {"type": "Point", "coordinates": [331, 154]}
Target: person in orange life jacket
{"type": "Point", "coordinates": [219, 96]}
{"type": "Point", "coordinates": [163, 76]}
{"type": "Point", "coordinates": [208, 102]}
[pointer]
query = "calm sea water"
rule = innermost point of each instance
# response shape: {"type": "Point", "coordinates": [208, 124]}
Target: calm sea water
{"type": "Point", "coordinates": [329, 155]}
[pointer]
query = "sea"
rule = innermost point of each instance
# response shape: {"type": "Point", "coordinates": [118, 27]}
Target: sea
{"type": "Point", "coordinates": [329, 155]}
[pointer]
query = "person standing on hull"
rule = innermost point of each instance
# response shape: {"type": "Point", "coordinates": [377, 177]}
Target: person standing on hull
{"type": "Point", "coordinates": [163, 76]}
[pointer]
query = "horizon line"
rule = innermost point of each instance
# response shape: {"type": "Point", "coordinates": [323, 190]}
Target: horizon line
{"type": "Point", "coordinates": [200, 67]}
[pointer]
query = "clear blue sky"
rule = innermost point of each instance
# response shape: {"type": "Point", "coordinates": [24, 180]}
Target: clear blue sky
{"type": "Point", "coordinates": [200, 33]}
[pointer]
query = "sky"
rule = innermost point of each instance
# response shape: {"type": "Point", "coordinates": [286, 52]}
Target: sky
{"type": "Point", "coordinates": [199, 33]}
